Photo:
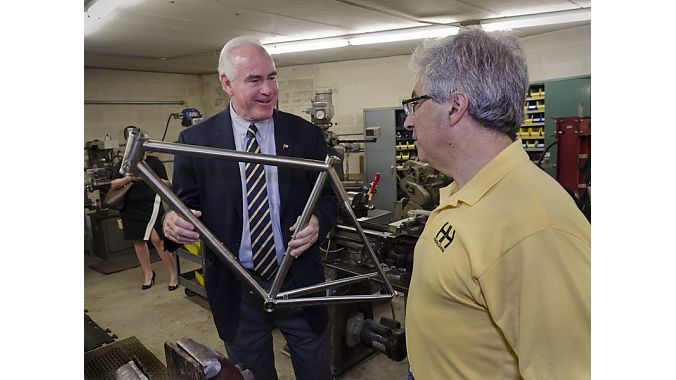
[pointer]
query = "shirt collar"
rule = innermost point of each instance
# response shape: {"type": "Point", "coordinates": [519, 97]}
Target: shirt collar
{"type": "Point", "coordinates": [486, 178]}
{"type": "Point", "coordinates": [240, 125]}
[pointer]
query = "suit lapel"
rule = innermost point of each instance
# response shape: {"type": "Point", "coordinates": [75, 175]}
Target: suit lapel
{"type": "Point", "coordinates": [283, 147]}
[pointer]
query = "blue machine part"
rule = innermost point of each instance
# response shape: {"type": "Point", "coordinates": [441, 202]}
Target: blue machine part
{"type": "Point", "coordinates": [190, 116]}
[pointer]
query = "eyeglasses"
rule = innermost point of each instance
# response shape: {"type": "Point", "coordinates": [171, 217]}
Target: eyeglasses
{"type": "Point", "coordinates": [410, 104]}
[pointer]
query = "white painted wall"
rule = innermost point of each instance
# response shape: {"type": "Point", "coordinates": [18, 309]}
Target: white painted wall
{"type": "Point", "coordinates": [557, 55]}
{"type": "Point", "coordinates": [119, 85]}
{"type": "Point", "coordinates": [356, 85]}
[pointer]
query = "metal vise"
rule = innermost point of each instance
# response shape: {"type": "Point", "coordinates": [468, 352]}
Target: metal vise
{"type": "Point", "coordinates": [189, 360]}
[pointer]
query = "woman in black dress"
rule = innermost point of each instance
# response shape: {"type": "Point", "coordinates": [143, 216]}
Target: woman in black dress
{"type": "Point", "coordinates": [142, 216]}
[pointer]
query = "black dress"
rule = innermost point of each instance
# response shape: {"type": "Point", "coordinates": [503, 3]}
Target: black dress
{"type": "Point", "coordinates": [142, 209]}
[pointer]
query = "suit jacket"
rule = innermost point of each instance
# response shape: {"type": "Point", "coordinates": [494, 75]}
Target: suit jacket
{"type": "Point", "coordinates": [213, 186]}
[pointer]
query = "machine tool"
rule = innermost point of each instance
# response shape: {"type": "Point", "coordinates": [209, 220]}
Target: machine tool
{"type": "Point", "coordinates": [392, 241]}
{"type": "Point", "coordinates": [386, 336]}
{"type": "Point", "coordinates": [419, 188]}
{"type": "Point", "coordinates": [354, 330]}
{"type": "Point", "coordinates": [101, 157]}
{"type": "Point", "coordinates": [360, 197]}
{"type": "Point", "coordinates": [321, 112]}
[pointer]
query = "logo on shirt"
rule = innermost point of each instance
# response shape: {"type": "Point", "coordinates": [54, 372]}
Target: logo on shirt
{"type": "Point", "coordinates": [445, 237]}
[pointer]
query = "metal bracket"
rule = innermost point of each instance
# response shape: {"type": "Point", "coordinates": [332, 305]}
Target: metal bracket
{"type": "Point", "coordinates": [133, 164]}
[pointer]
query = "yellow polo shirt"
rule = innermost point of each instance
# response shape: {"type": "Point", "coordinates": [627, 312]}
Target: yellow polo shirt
{"type": "Point", "coordinates": [501, 280]}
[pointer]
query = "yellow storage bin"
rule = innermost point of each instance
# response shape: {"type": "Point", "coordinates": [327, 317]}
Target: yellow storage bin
{"type": "Point", "coordinates": [411, 145]}
{"type": "Point", "coordinates": [405, 156]}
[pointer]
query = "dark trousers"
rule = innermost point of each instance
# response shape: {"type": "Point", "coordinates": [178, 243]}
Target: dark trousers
{"type": "Point", "coordinates": [252, 345]}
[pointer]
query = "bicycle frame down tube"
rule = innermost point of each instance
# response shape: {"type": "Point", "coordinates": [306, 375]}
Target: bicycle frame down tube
{"type": "Point", "coordinates": [166, 194]}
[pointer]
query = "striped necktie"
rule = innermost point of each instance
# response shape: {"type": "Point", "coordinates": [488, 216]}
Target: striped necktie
{"type": "Point", "coordinates": [260, 224]}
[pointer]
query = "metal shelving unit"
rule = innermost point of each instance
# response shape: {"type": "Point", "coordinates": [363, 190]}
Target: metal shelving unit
{"type": "Point", "coordinates": [532, 131]}
{"type": "Point", "coordinates": [188, 279]}
{"type": "Point", "coordinates": [405, 148]}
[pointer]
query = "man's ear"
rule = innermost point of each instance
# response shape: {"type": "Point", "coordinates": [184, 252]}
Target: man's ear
{"type": "Point", "coordinates": [225, 83]}
{"type": "Point", "coordinates": [458, 108]}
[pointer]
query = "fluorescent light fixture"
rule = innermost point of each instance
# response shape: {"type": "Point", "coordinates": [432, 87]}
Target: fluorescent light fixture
{"type": "Point", "coordinates": [551, 18]}
{"type": "Point", "coordinates": [403, 35]}
{"type": "Point", "coordinates": [361, 39]}
{"type": "Point", "coordinates": [305, 45]}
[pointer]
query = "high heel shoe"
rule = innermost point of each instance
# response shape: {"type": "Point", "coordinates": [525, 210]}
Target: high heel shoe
{"type": "Point", "coordinates": [148, 286]}
{"type": "Point", "coordinates": [173, 287]}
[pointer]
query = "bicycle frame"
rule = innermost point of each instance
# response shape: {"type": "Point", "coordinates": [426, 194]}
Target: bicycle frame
{"type": "Point", "coordinates": [133, 164]}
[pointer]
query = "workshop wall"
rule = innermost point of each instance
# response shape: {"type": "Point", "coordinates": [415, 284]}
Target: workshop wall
{"type": "Point", "coordinates": [557, 55]}
{"type": "Point", "coordinates": [120, 85]}
{"type": "Point", "coordinates": [214, 98]}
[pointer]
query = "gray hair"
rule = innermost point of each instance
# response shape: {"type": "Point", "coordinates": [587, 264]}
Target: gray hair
{"type": "Point", "coordinates": [489, 69]}
{"type": "Point", "coordinates": [225, 64]}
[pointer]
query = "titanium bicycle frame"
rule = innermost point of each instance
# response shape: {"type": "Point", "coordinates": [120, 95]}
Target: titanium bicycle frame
{"type": "Point", "coordinates": [133, 164]}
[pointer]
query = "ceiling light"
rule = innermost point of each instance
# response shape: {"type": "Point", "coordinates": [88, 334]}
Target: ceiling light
{"type": "Point", "coordinates": [403, 35]}
{"type": "Point", "coordinates": [305, 45]}
{"type": "Point", "coordinates": [361, 39]}
{"type": "Point", "coordinates": [551, 18]}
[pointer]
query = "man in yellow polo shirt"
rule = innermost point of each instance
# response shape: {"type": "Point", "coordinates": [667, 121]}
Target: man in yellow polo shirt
{"type": "Point", "coordinates": [501, 274]}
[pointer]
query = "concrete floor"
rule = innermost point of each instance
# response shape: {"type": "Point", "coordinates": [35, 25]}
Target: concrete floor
{"type": "Point", "coordinates": [153, 316]}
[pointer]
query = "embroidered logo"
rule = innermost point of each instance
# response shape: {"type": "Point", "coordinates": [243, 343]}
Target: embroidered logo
{"type": "Point", "coordinates": [445, 237]}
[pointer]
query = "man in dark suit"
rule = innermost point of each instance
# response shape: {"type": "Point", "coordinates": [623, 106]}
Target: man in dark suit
{"type": "Point", "coordinates": [253, 210]}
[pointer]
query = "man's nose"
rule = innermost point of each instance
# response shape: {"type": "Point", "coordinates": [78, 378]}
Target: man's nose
{"type": "Point", "coordinates": [408, 122]}
{"type": "Point", "coordinates": [268, 87]}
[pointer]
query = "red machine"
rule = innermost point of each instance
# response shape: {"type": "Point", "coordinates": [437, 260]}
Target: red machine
{"type": "Point", "coordinates": [573, 160]}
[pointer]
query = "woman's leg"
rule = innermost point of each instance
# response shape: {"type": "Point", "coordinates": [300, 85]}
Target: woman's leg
{"type": "Point", "coordinates": [166, 257]}
{"type": "Point", "coordinates": [143, 255]}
